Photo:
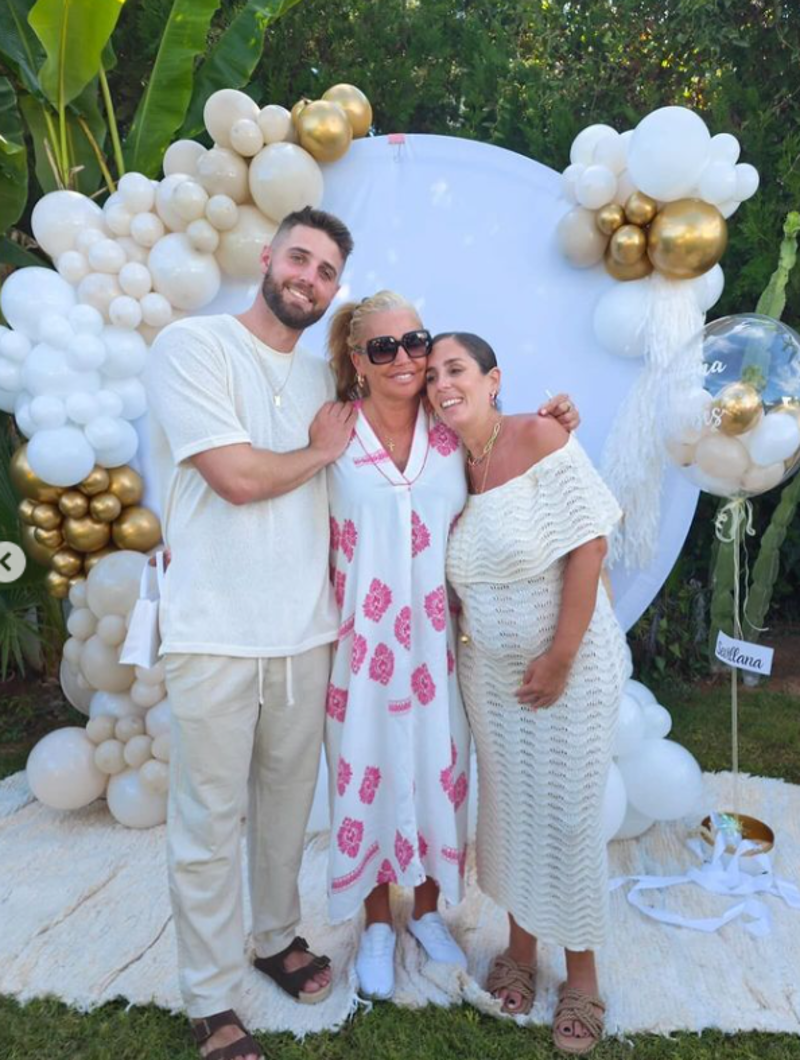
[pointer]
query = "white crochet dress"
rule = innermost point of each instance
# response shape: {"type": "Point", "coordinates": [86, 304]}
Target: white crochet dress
{"type": "Point", "coordinates": [542, 774]}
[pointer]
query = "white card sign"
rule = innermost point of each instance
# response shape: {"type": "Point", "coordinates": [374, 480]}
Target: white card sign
{"type": "Point", "coordinates": [744, 655]}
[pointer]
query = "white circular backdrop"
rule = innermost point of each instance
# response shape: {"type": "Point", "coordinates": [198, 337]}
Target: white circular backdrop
{"type": "Point", "coordinates": [466, 231]}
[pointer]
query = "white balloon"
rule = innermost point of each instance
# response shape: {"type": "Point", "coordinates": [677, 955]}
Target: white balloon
{"type": "Point", "coordinates": [82, 622]}
{"type": "Point", "coordinates": [146, 696]}
{"type": "Point", "coordinates": [634, 824]}
{"type": "Point", "coordinates": [22, 405]}
{"type": "Point", "coordinates": [725, 147]}
{"type": "Point", "coordinates": [85, 320]}
{"type": "Point", "coordinates": [7, 401]}
{"type": "Point", "coordinates": [156, 310]}
{"type": "Point", "coordinates": [582, 150]}
{"type": "Point", "coordinates": [28, 294]}
{"type": "Point", "coordinates": [77, 594]}
{"type": "Point", "coordinates": [620, 316]}
{"type": "Point", "coordinates": [154, 776]}
{"type": "Point", "coordinates": [132, 804]}
{"type": "Point", "coordinates": [615, 803]}
{"type": "Point", "coordinates": [60, 456]}
{"type": "Point", "coordinates": [48, 371]}
{"type": "Point", "coordinates": [222, 172]}
{"type": "Point", "coordinates": [223, 109]}
{"type": "Point", "coordinates": [239, 252]}
{"type": "Point", "coordinates": [99, 289]}
{"type": "Point", "coordinates": [133, 396]}
{"type": "Point", "coordinates": [246, 137]}
{"type": "Point", "coordinates": [625, 188]}
{"type": "Point", "coordinates": [55, 330]}
{"type": "Point", "coordinates": [641, 693]}
{"type": "Point", "coordinates": [59, 217]}
{"type": "Point", "coordinates": [157, 719]}
{"type": "Point", "coordinates": [611, 152]}
{"type": "Point", "coordinates": [707, 289]}
{"type": "Point", "coordinates": [729, 207]}
{"type": "Point", "coordinates": [10, 378]}
{"type": "Point", "coordinates": [72, 266]}
{"type": "Point", "coordinates": [181, 157]}
{"type": "Point", "coordinates": [121, 453]}
{"type": "Point", "coordinates": [189, 200]}
{"type": "Point", "coordinates": [112, 587]}
{"type": "Point", "coordinates": [14, 345]}
{"type": "Point", "coordinates": [125, 312]}
{"type": "Point", "coordinates": [61, 772]}
{"type": "Point", "coordinates": [88, 237]}
{"type": "Point", "coordinates": [718, 182]}
{"type": "Point", "coordinates": [630, 726]}
{"type": "Point", "coordinates": [118, 219]}
{"type": "Point", "coordinates": [595, 187]}
{"type": "Point", "coordinates": [668, 151]}
{"type": "Point", "coordinates": [283, 178]}
{"type": "Point", "coordinates": [747, 181]}
{"type": "Point", "coordinates": [222, 212]}
{"type": "Point", "coordinates": [147, 229]}
{"type": "Point", "coordinates": [186, 278]}
{"type": "Point", "coordinates": [106, 256]}
{"type": "Point", "coordinates": [275, 123]}
{"type": "Point", "coordinates": [569, 181]}
{"type": "Point", "coordinates": [662, 779]}
{"type": "Point", "coordinates": [204, 237]}
{"type": "Point", "coordinates": [109, 757]}
{"type": "Point", "coordinates": [657, 721]}
{"type": "Point", "coordinates": [777, 437]}
{"type": "Point", "coordinates": [135, 279]}
{"type": "Point", "coordinates": [164, 205]}
{"type": "Point", "coordinates": [137, 192]}
{"type": "Point", "coordinates": [126, 351]}
{"type": "Point", "coordinates": [72, 687]}
{"type": "Point", "coordinates": [109, 403]}
{"type": "Point", "coordinates": [116, 704]}
{"type": "Point", "coordinates": [48, 411]}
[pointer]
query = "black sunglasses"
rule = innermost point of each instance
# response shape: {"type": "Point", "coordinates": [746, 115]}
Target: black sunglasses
{"type": "Point", "coordinates": [383, 349]}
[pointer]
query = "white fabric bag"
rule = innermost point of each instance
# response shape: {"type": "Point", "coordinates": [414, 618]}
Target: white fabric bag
{"type": "Point", "coordinates": [144, 638]}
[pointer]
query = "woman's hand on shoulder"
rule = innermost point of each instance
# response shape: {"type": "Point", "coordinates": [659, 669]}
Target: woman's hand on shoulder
{"type": "Point", "coordinates": [563, 409]}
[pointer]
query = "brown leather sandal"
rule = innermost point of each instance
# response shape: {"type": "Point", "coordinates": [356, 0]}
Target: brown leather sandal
{"type": "Point", "coordinates": [293, 982]}
{"type": "Point", "coordinates": [203, 1029]}
{"type": "Point", "coordinates": [586, 1009]}
{"type": "Point", "coordinates": [508, 974]}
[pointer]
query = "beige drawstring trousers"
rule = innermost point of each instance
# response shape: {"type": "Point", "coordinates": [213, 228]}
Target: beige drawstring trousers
{"type": "Point", "coordinates": [246, 733]}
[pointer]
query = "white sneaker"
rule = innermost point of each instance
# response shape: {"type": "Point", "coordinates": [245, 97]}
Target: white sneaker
{"type": "Point", "coordinates": [431, 933]}
{"type": "Point", "coordinates": [375, 961]}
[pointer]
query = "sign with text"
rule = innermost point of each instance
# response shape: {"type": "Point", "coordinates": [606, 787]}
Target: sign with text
{"type": "Point", "coordinates": [744, 655]}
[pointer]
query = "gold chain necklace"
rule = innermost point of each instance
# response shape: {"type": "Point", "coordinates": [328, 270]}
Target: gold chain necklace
{"type": "Point", "coordinates": [390, 443]}
{"type": "Point", "coordinates": [473, 461]}
{"type": "Point", "coordinates": [276, 394]}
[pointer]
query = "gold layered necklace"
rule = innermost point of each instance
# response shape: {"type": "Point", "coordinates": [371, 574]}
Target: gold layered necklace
{"type": "Point", "coordinates": [486, 455]}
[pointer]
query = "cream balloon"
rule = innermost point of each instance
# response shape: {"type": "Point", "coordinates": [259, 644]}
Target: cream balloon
{"type": "Point", "coordinates": [99, 289]}
{"type": "Point", "coordinates": [160, 747]}
{"type": "Point", "coordinates": [223, 172]}
{"type": "Point", "coordinates": [182, 157]}
{"type": "Point", "coordinates": [203, 236]}
{"type": "Point", "coordinates": [109, 757]}
{"type": "Point", "coordinates": [112, 587]}
{"type": "Point", "coordinates": [154, 776]}
{"type": "Point", "coordinates": [146, 696]}
{"type": "Point", "coordinates": [125, 312]}
{"type": "Point", "coordinates": [164, 205]}
{"type": "Point", "coordinates": [187, 278]}
{"type": "Point", "coordinates": [223, 109]}
{"type": "Point", "coordinates": [283, 178]}
{"type": "Point", "coordinates": [59, 217]}
{"type": "Point", "coordinates": [115, 704]}
{"type": "Point", "coordinates": [27, 294]}
{"type": "Point", "coordinates": [126, 728]}
{"type": "Point", "coordinates": [579, 239]}
{"type": "Point", "coordinates": [118, 219]}
{"type": "Point", "coordinates": [72, 266]}
{"type": "Point", "coordinates": [61, 772]}
{"type": "Point", "coordinates": [77, 597]}
{"type": "Point", "coordinates": [222, 212]}
{"type": "Point", "coordinates": [569, 181]}
{"type": "Point", "coordinates": [88, 237]}
{"type": "Point", "coordinates": [72, 687]}
{"type": "Point", "coordinates": [759, 479]}
{"type": "Point", "coordinates": [152, 675]}
{"type": "Point", "coordinates": [132, 805]}
{"type": "Point", "coordinates": [137, 751]}
{"type": "Point", "coordinates": [157, 719]}
{"type": "Point", "coordinates": [275, 123]}
{"type": "Point", "coordinates": [100, 728]}
{"type": "Point", "coordinates": [135, 280]}
{"type": "Point", "coordinates": [111, 630]}
{"type": "Point", "coordinates": [239, 252]}
{"type": "Point", "coordinates": [147, 229]}
{"type": "Point", "coordinates": [189, 200]}
{"type": "Point", "coordinates": [137, 193]}
{"type": "Point", "coordinates": [156, 310]}
{"type": "Point", "coordinates": [246, 137]}
{"type": "Point", "coordinates": [722, 456]}
{"type": "Point", "coordinates": [101, 667]}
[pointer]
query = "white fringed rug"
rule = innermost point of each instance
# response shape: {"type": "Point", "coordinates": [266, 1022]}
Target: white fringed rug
{"type": "Point", "coordinates": [84, 916]}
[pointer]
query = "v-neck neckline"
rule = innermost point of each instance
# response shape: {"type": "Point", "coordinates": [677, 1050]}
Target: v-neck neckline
{"type": "Point", "coordinates": [373, 447]}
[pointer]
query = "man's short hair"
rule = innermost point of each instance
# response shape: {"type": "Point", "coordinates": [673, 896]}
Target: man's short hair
{"type": "Point", "coordinates": [324, 222]}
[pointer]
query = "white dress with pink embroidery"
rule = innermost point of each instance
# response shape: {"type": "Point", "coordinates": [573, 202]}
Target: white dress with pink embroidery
{"type": "Point", "coordinates": [397, 739]}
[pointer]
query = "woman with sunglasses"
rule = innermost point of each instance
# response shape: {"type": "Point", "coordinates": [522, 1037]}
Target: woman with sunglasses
{"type": "Point", "coordinates": [397, 739]}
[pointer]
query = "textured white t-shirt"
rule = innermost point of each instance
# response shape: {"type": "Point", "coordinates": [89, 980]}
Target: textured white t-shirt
{"type": "Point", "coordinates": [245, 580]}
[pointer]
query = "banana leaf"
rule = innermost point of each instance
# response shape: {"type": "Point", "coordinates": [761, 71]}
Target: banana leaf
{"type": "Point", "coordinates": [13, 158]}
{"type": "Point", "coordinates": [73, 34]}
{"type": "Point", "coordinates": [163, 106]}
{"type": "Point", "coordinates": [12, 253]}
{"type": "Point", "coordinates": [234, 58]}
{"type": "Point", "coordinates": [19, 46]}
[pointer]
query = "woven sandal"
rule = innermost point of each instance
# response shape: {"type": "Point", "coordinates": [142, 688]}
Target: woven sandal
{"type": "Point", "coordinates": [508, 974]}
{"type": "Point", "coordinates": [588, 1010]}
{"type": "Point", "coordinates": [203, 1029]}
{"type": "Point", "coordinates": [293, 982]}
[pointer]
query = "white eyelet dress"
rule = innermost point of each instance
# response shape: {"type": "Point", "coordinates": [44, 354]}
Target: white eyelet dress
{"type": "Point", "coordinates": [542, 774]}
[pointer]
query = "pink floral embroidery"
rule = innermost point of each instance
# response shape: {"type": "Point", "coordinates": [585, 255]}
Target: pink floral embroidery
{"type": "Point", "coordinates": [386, 873]}
{"type": "Point", "coordinates": [349, 836]}
{"type": "Point", "coordinates": [446, 780]}
{"type": "Point", "coordinates": [381, 665]}
{"type": "Point", "coordinates": [339, 583]}
{"type": "Point", "coordinates": [453, 752]}
{"type": "Point", "coordinates": [459, 792]}
{"type": "Point", "coordinates": [399, 706]}
{"type": "Point", "coordinates": [377, 600]}
{"type": "Point", "coordinates": [422, 685]}
{"type": "Point", "coordinates": [341, 883]}
{"type": "Point", "coordinates": [344, 774]}
{"type": "Point", "coordinates": [403, 851]}
{"type": "Point", "coordinates": [422, 844]}
{"type": "Point", "coordinates": [349, 538]}
{"type": "Point", "coordinates": [358, 653]}
{"type": "Point", "coordinates": [335, 534]}
{"type": "Point", "coordinates": [336, 705]}
{"type": "Point", "coordinates": [402, 627]}
{"type": "Point", "coordinates": [435, 609]}
{"type": "Point", "coordinates": [451, 662]}
{"type": "Point", "coordinates": [420, 535]}
{"type": "Point", "coordinates": [443, 440]}
{"type": "Point", "coordinates": [369, 784]}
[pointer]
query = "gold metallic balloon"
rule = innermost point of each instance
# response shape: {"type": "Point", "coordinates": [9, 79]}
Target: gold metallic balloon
{"type": "Point", "coordinates": [73, 503]}
{"type": "Point", "coordinates": [324, 130]}
{"type": "Point", "coordinates": [609, 218]}
{"type": "Point", "coordinates": [33, 548]}
{"type": "Point", "coordinates": [640, 209]}
{"type": "Point", "coordinates": [641, 268]}
{"type": "Point", "coordinates": [86, 534]}
{"type": "Point", "coordinates": [137, 529]}
{"type": "Point", "coordinates": [628, 245]}
{"type": "Point", "coordinates": [67, 562]}
{"type": "Point", "coordinates": [355, 105]}
{"type": "Point", "coordinates": [27, 483]}
{"type": "Point", "coordinates": [105, 507]}
{"type": "Point", "coordinates": [687, 238]}
{"type": "Point", "coordinates": [94, 558]}
{"type": "Point", "coordinates": [740, 408]}
{"type": "Point", "coordinates": [25, 511]}
{"type": "Point", "coordinates": [51, 539]}
{"type": "Point", "coordinates": [126, 484]}
{"type": "Point", "coordinates": [57, 585]}
{"type": "Point", "coordinates": [95, 482]}
{"type": "Point", "coordinates": [298, 109]}
{"type": "Point", "coordinates": [47, 516]}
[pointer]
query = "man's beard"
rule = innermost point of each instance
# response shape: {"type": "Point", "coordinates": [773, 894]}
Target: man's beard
{"type": "Point", "coordinates": [290, 316]}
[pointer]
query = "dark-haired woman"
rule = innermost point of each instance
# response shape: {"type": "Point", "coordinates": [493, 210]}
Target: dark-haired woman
{"type": "Point", "coordinates": [542, 662]}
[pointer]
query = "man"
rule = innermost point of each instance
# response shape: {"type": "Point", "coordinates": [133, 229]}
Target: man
{"type": "Point", "coordinates": [243, 425]}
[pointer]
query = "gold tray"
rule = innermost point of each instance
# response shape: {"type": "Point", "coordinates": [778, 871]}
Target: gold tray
{"type": "Point", "coordinates": [751, 829]}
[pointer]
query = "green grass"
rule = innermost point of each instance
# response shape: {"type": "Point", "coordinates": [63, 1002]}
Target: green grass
{"type": "Point", "coordinates": [769, 746]}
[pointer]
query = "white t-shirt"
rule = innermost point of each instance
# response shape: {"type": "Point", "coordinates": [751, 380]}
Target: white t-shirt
{"type": "Point", "coordinates": [245, 580]}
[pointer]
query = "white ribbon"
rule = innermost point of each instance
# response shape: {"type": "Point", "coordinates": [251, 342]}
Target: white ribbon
{"type": "Point", "coordinates": [722, 874]}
